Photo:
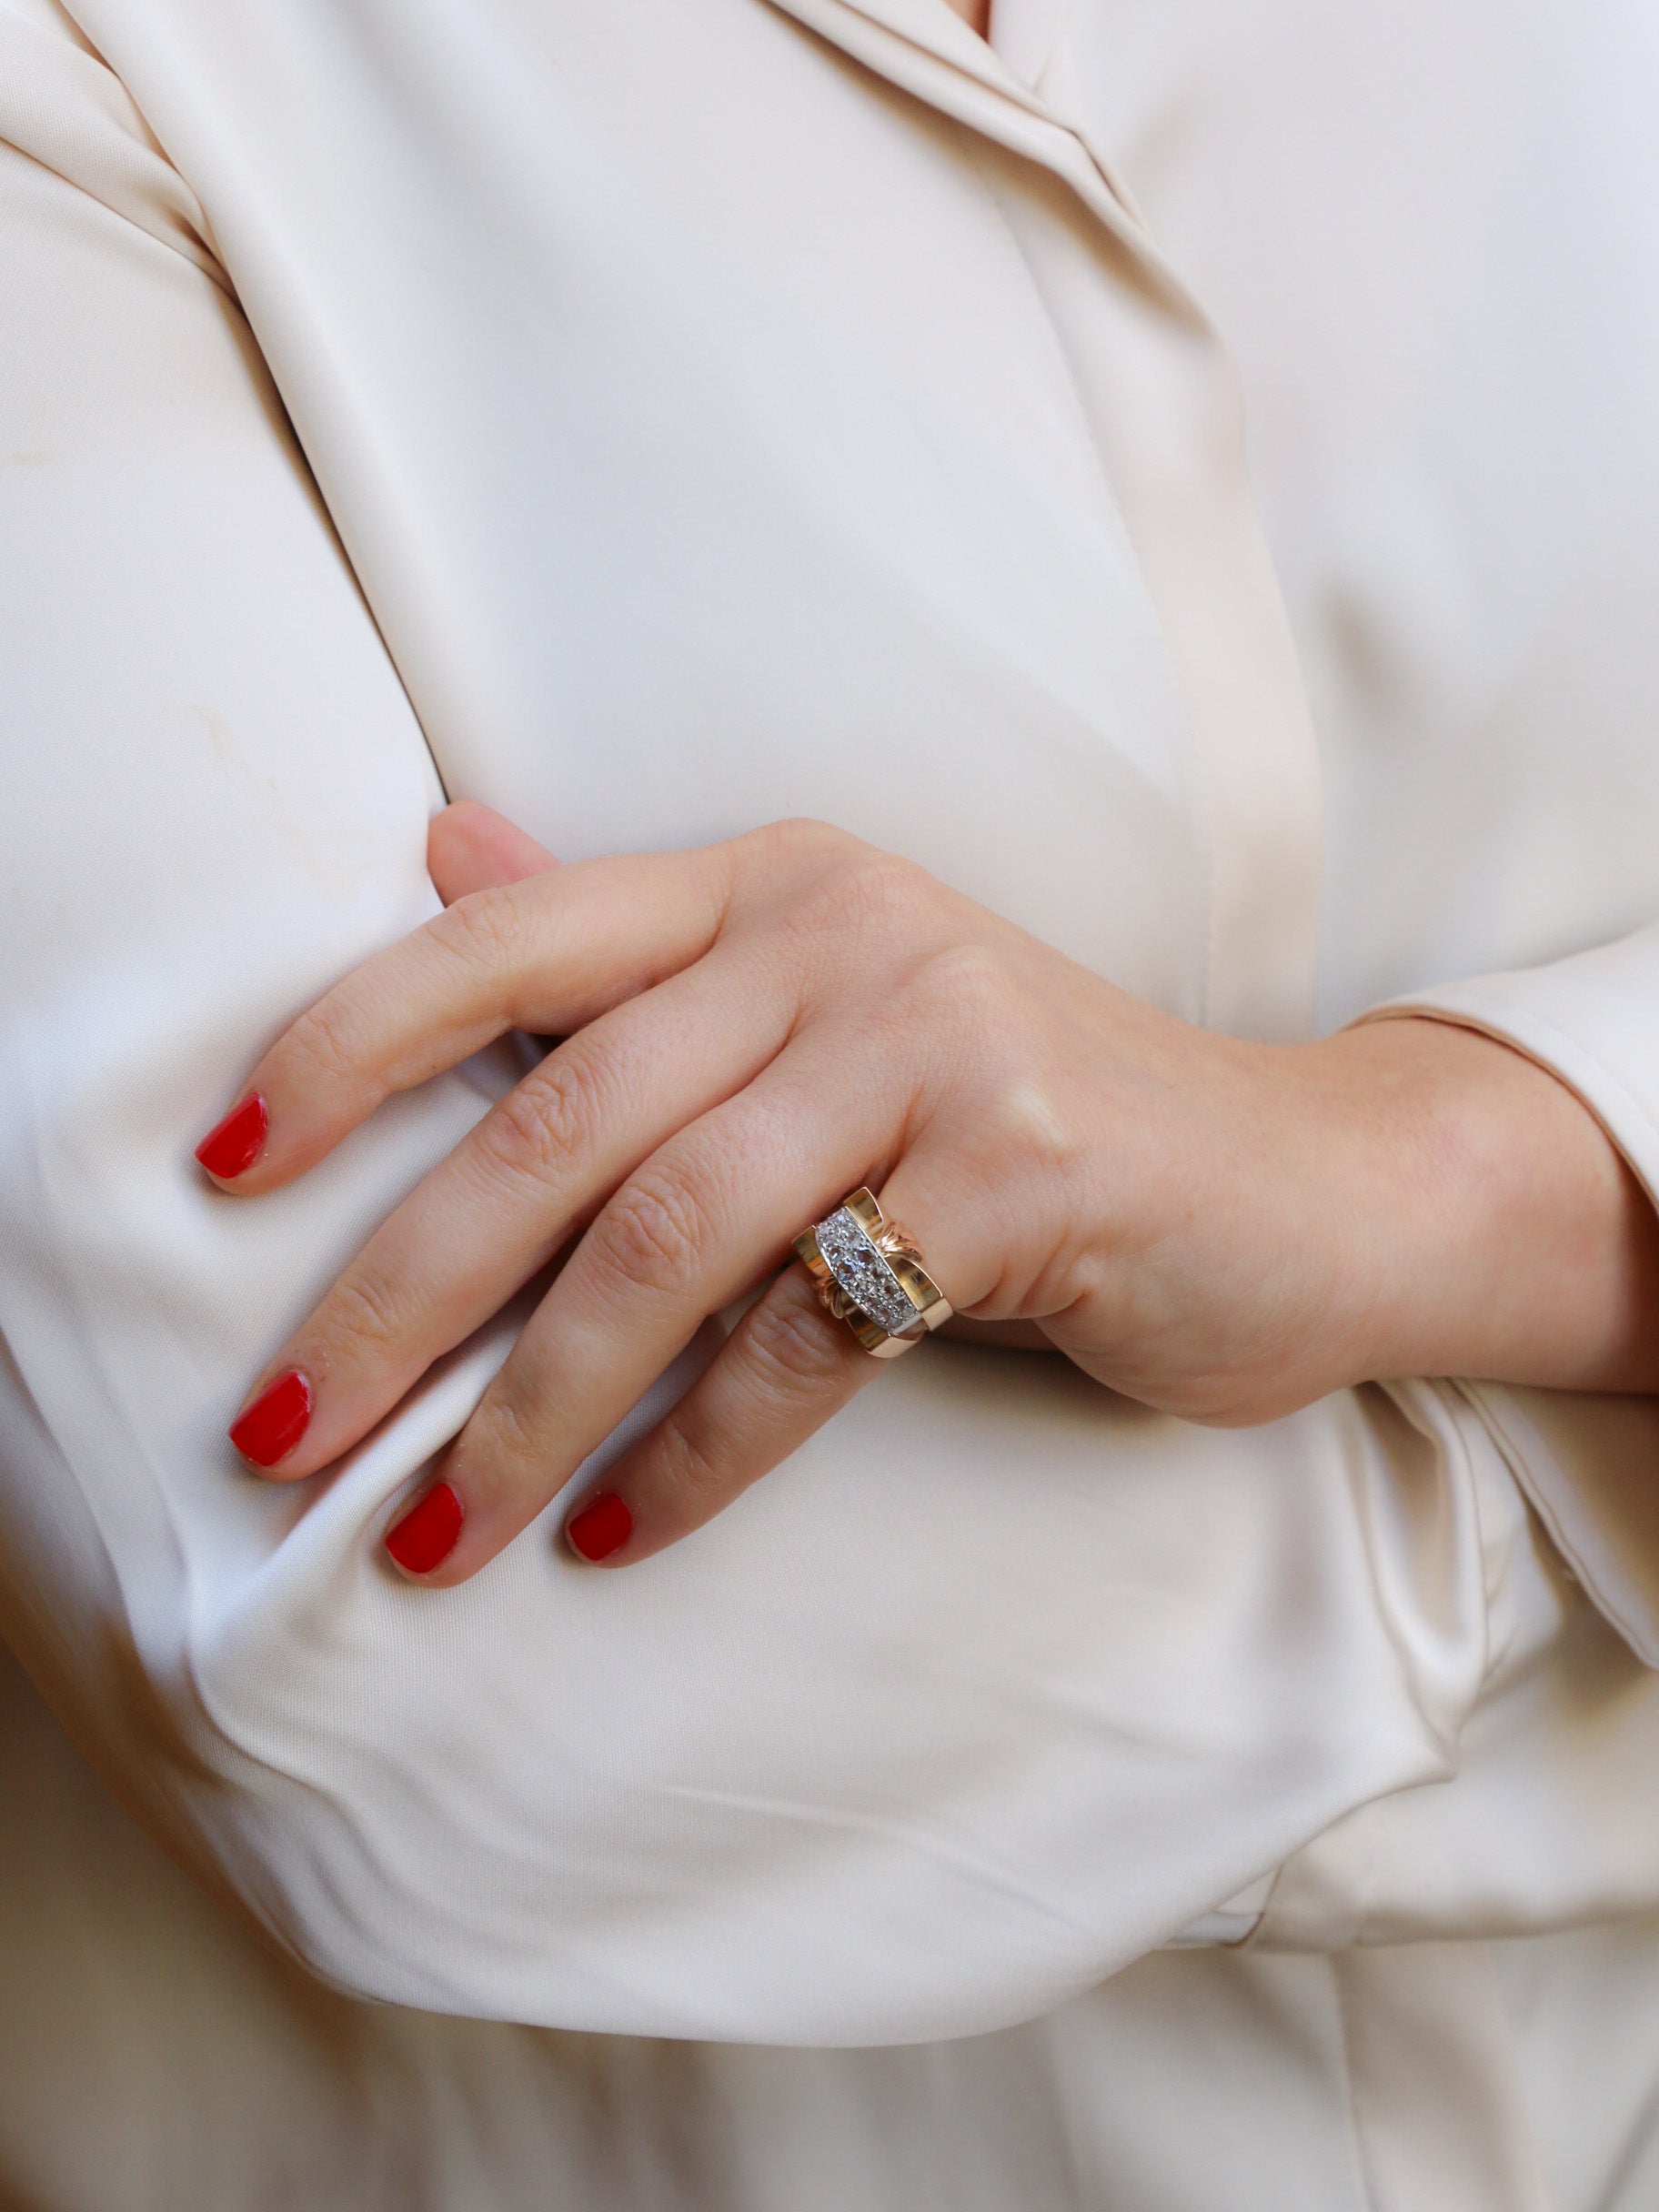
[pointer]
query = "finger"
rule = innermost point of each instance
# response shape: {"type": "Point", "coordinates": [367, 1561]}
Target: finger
{"type": "Point", "coordinates": [709, 1214]}
{"type": "Point", "coordinates": [546, 954]}
{"type": "Point", "coordinates": [471, 848]}
{"type": "Point", "coordinates": [507, 1201]}
{"type": "Point", "coordinates": [787, 1367]}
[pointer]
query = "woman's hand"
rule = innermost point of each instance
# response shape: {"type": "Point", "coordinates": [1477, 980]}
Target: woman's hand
{"type": "Point", "coordinates": [1220, 1229]}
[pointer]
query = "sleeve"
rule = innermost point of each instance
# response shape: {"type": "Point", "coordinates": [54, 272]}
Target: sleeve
{"type": "Point", "coordinates": [1589, 1464]}
{"type": "Point", "coordinates": [1001, 1683]}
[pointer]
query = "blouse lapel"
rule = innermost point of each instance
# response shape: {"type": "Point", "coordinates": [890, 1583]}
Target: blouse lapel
{"type": "Point", "coordinates": [1166, 408]}
{"type": "Point", "coordinates": [924, 48]}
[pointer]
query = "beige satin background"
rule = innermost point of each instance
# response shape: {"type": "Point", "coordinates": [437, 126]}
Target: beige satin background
{"type": "Point", "coordinates": [1421, 1589]}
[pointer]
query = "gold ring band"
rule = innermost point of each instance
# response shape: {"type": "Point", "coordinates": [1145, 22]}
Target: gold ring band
{"type": "Point", "coordinates": [869, 1274]}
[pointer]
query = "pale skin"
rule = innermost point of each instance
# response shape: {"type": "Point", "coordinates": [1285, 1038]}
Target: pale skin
{"type": "Point", "coordinates": [1223, 1230]}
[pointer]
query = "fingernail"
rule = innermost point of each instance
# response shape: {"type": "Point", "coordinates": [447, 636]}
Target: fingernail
{"type": "Point", "coordinates": [429, 1532]}
{"type": "Point", "coordinates": [603, 1526]}
{"type": "Point", "coordinates": [279, 1416]}
{"type": "Point", "coordinates": [232, 1148]}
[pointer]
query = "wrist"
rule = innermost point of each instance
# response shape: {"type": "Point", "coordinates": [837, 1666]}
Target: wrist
{"type": "Point", "coordinates": [1487, 1224]}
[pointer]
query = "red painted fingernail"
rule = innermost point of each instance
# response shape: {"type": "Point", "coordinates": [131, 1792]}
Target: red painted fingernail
{"type": "Point", "coordinates": [602, 1527]}
{"type": "Point", "coordinates": [232, 1148]}
{"type": "Point", "coordinates": [279, 1416]}
{"type": "Point", "coordinates": [429, 1532]}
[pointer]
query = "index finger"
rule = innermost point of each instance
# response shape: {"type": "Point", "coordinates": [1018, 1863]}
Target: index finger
{"type": "Point", "coordinates": [547, 954]}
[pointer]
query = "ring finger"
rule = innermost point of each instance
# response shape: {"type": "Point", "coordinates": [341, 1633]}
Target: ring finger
{"type": "Point", "coordinates": [701, 1220]}
{"type": "Point", "coordinates": [787, 1368]}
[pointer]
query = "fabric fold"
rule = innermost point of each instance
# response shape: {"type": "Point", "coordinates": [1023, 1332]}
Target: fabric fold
{"type": "Point", "coordinates": [1588, 1461]}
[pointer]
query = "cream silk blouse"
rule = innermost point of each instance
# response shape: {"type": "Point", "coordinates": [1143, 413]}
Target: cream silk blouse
{"type": "Point", "coordinates": [662, 416]}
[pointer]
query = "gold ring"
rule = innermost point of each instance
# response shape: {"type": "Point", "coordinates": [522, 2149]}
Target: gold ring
{"type": "Point", "coordinates": [869, 1274]}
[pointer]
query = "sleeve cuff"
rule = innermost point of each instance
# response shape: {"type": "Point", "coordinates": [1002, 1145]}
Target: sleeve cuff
{"type": "Point", "coordinates": [1589, 1464]}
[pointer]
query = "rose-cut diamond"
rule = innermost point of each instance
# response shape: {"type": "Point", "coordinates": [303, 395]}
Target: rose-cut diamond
{"type": "Point", "coordinates": [862, 1271]}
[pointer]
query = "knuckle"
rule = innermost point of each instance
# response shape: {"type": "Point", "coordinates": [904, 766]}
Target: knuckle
{"type": "Point", "coordinates": [875, 890]}
{"type": "Point", "coordinates": [793, 1343]}
{"type": "Point", "coordinates": [968, 980]}
{"type": "Point", "coordinates": [654, 1235]}
{"type": "Point", "coordinates": [797, 838]}
{"type": "Point", "coordinates": [962, 1015]}
{"type": "Point", "coordinates": [547, 1121]}
{"type": "Point", "coordinates": [863, 899]}
{"type": "Point", "coordinates": [365, 1316]}
{"type": "Point", "coordinates": [328, 1040]}
{"type": "Point", "coordinates": [687, 1464]}
{"type": "Point", "coordinates": [502, 1434]}
{"type": "Point", "coordinates": [486, 932]}
{"type": "Point", "coordinates": [502, 1456]}
{"type": "Point", "coordinates": [1027, 1127]}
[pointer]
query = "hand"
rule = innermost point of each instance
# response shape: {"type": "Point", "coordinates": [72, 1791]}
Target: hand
{"type": "Point", "coordinates": [1221, 1229]}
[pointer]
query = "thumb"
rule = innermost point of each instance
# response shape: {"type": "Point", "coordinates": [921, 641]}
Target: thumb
{"type": "Point", "coordinates": [471, 848]}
